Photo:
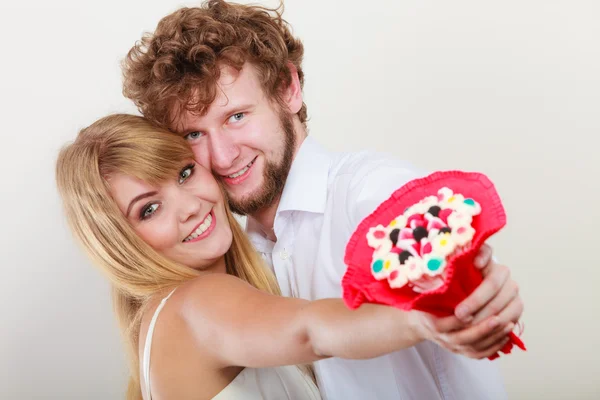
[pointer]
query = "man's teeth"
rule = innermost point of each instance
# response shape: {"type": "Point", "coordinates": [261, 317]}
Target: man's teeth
{"type": "Point", "coordinates": [201, 229]}
{"type": "Point", "coordinates": [241, 171]}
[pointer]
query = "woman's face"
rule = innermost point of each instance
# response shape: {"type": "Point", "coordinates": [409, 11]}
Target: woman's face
{"type": "Point", "coordinates": [184, 218]}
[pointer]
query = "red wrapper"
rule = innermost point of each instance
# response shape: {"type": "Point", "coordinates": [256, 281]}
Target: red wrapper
{"type": "Point", "coordinates": [461, 276]}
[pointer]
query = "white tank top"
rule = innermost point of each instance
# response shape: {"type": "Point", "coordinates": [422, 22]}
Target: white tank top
{"type": "Point", "coordinates": [276, 383]}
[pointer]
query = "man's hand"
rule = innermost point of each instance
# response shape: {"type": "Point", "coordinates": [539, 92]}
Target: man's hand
{"type": "Point", "coordinates": [473, 340]}
{"type": "Point", "coordinates": [482, 322]}
{"type": "Point", "coordinates": [497, 295]}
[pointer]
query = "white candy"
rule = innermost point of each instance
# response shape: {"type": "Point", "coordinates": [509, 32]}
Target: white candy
{"type": "Point", "coordinates": [443, 245]}
{"type": "Point", "coordinates": [377, 243]}
{"type": "Point", "coordinates": [466, 235]}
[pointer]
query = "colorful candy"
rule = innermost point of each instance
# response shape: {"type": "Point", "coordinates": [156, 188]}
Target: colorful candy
{"type": "Point", "coordinates": [414, 247]}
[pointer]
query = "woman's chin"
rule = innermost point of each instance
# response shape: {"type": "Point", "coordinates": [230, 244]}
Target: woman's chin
{"type": "Point", "coordinates": [212, 264]}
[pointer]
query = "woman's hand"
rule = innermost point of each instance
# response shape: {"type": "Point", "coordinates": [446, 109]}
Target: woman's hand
{"type": "Point", "coordinates": [479, 340]}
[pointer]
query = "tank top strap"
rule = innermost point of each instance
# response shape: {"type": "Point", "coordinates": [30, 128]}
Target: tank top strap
{"type": "Point", "coordinates": [148, 344]}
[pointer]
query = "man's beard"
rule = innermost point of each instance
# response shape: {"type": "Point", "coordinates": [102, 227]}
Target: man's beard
{"type": "Point", "coordinates": [275, 175]}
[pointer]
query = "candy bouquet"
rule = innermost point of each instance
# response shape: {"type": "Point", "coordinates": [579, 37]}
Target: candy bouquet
{"type": "Point", "coordinates": [416, 250]}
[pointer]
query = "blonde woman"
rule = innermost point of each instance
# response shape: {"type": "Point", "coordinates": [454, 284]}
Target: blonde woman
{"type": "Point", "coordinates": [202, 317]}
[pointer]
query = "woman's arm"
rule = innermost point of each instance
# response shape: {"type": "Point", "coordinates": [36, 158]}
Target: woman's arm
{"type": "Point", "coordinates": [239, 325]}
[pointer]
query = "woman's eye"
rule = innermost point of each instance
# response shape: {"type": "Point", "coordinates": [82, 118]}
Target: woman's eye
{"type": "Point", "coordinates": [185, 173]}
{"type": "Point", "coordinates": [148, 211]}
{"type": "Point", "coordinates": [193, 135]}
{"type": "Point", "coordinates": [236, 117]}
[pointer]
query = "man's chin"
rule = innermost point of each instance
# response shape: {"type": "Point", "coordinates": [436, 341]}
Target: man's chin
{"type": "Point", "coordinates": [242, 194]}
{"type": "Point", "coordinates": [241, 205]}
{"type": "Point", "coordinates": [250, 204]}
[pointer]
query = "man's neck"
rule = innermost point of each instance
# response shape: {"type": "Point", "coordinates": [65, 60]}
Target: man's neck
{"type": "Point", "coordinates": [265, 219]}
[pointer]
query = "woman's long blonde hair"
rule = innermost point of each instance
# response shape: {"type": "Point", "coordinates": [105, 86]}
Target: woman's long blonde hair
{"type": "Point", "coordinates": [130, 145]}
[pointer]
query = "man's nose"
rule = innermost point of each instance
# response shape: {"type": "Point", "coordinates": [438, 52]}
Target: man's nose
{"type": "Point", "coordinates": [223, 152]}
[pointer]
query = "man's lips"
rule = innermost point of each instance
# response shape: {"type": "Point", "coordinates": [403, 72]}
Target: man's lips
{"type": "Point", "coordinates": [241, 175]}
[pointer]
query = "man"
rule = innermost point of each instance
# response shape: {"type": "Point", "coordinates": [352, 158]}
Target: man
{"type": "Point", "coordinates": [229, 78]}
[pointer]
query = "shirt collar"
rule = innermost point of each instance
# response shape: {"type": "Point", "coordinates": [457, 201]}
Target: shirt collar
{"type": "Point", "coordinates": [306, 185]}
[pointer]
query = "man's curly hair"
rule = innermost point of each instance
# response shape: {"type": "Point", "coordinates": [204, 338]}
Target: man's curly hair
{"type": "Point", "coordinates": [176, 68]}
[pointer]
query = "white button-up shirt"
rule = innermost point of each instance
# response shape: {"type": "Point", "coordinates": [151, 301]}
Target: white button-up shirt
{"type": "Point", "coordinates": [325, 198]}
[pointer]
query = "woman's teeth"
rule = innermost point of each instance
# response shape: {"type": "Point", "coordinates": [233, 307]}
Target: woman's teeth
{"type": "Point", "coordinates": [241, 171]}
{"type": "Point", "coordinates": [201, 229]}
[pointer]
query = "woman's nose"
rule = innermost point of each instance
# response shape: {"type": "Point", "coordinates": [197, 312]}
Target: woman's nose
{"type": "Point", "coordinates": [189, 205]}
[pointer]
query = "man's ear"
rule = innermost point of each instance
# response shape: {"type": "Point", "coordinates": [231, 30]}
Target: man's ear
{"type": "Point", "coordinates": [292, 95]}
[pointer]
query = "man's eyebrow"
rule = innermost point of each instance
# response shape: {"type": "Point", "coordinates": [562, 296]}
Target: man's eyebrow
{"type": "Point", "coordinates": [138, 198]}
{"type": "Point", "coordinates": [184, 129]}
{"type": "Point", "coordinates": [235, 108]}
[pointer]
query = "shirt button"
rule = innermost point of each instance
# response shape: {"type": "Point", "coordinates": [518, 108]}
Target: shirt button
{"type": "Point", "coordinates": [284, 255]}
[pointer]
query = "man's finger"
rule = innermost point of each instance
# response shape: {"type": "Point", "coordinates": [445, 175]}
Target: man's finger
{"type": "Point", "coordinates": [496, 347]}
{"type": "Point", "coordinates": [508, 293]}
{"type": "Point", "coordinates": [484, 256]}
{"type": "Point", "coordinates": [487, 290]}
{"type": "Point", "coordinates": [512, 312]}
{"type": "Point", "coordinates": [496, 336]}
{"type": "Point", "coordinates": [474, 333]}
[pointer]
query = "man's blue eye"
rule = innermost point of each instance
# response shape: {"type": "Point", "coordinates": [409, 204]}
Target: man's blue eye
{"type": "Point", "coordinates": [194, 135]}
{"type": "Point", "coordinates": [236, 117]}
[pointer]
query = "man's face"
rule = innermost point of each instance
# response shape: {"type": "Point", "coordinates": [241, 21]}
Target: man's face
{"type": "Point", "coordinates": [245, 139]}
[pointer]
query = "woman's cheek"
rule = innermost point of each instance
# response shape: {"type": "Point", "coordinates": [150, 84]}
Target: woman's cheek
{"type": "Point", "coordinates": [160, 235]}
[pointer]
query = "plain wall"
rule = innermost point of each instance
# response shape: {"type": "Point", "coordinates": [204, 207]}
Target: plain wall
{"type": "Point", "coordinates": [508, 88]}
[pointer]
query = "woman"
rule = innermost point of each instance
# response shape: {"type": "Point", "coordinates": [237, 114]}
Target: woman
{"type": "Point", "coordinates": [159, 227]}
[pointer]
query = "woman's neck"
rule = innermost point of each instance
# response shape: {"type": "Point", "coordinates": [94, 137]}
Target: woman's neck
{"type": "Point", "coordinates": [219, 266]}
